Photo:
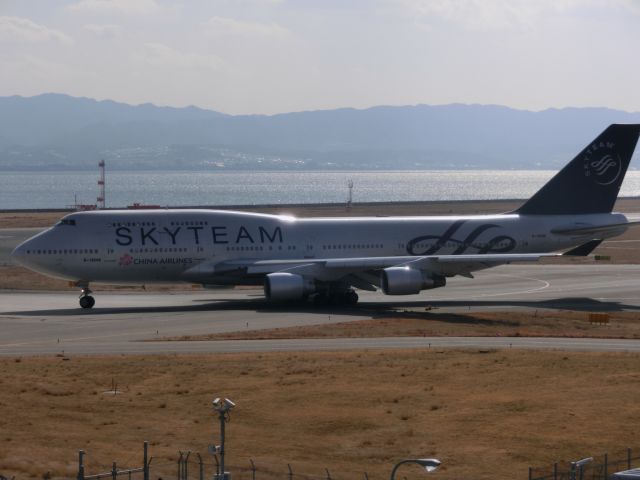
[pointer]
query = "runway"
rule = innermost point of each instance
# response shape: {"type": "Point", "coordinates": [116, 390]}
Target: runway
{"type": "Point", "coordinates": [50, 323]}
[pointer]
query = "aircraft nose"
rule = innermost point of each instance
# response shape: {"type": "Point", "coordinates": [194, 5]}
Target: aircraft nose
{"type": "Point", "coordinates": [19, 253]}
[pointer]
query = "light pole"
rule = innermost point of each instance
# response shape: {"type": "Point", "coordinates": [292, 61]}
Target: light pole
{"type": "Point", "coordinates": [429, 464]}
{"type": "Point", "coordinates": [579, 465]}
{"type": "Point", "coordinates": [223, 407]}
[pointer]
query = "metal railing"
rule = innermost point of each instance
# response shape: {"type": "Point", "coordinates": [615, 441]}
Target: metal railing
{"type": "Point", "coordinates": [192, 466]}
{"type": "Point", "coordinates": [115, 472]}
{"type": "Point", "coordinates": [599, 468]}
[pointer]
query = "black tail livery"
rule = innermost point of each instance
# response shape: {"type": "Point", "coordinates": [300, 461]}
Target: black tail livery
{"type": "Point", "coordinates": [591, 181]}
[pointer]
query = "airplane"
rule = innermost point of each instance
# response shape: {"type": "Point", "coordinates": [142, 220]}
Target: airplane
{"type": "Point", "coordinates": [326, 259]}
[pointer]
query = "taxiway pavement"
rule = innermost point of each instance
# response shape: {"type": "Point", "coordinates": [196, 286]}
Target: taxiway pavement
{"type": "Point", "coordinates": [39, 323]}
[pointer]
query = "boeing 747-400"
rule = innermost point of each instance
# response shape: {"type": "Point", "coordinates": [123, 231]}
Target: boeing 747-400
{"type": "Point", "coordinates": [327, 258]}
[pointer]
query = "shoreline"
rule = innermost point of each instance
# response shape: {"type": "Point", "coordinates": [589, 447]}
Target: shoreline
{"type": "Point", "coordinates": [20, 218]}
{"type": "Point", "coordinates": [328, 205]}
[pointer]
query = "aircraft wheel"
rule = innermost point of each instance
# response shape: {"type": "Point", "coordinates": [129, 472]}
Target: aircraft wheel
{"type": "Point", "coordinates": [87, 301]}
{"type": "Point", "coordinates": [351, 297]}
{"type": "Point", "coordinates": [320, 300]}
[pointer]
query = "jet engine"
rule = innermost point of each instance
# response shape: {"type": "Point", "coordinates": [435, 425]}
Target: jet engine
{"type": "Point", "coordinates": [408, 281]}
{"type": "Point", "coordinates": [287, 286]}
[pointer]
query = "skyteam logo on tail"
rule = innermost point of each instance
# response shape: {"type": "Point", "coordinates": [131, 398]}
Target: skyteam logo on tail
{"type": "Point", "coordinates": [602, 164]}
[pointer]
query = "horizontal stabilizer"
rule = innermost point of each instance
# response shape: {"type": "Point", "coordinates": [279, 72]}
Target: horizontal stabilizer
{"type": "Point", "coordinates": [592, 230]}
{"type": "Point", "coordinates": [583, 250]}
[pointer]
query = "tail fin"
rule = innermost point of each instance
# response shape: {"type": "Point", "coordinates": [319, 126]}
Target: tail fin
{"type": "Point", "coordinates": [591, 181]}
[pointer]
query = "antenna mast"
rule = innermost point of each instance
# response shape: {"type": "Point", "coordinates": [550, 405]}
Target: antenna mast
{"type": "Point", "coordinates": [350, 200]}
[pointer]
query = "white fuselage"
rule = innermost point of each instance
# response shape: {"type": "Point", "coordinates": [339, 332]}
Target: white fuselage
{"type": "Point", "coordinates": [166, 245]}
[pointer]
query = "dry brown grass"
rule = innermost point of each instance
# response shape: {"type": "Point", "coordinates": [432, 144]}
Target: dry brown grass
{"type": "Point", "coordinates": [29, 219]}
{"type": "Point", "coordinates": [20, 278]}
{"type": "Point", "coordinates": [514, 323]}
{"type": "Point", "coordinates": [484, 414]}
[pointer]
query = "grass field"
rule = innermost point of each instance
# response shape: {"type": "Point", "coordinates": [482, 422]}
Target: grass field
{"type": "Point", "coordinates": [511, 323]}
{"type": "Point", "coordinates": [485, 414]}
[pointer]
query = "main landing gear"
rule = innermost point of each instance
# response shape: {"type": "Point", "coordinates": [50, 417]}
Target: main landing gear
{"type": "Point", "coordinates": [86, 300]}
{"type": "Point", "coordinates": [348, 297]}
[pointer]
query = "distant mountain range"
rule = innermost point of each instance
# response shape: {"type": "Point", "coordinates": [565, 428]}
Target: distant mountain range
{"type": "Point", "coordinates": [56, 132]}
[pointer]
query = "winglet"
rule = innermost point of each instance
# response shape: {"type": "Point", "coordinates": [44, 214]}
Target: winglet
{"type": "Point", "coordinates": [583, 250]}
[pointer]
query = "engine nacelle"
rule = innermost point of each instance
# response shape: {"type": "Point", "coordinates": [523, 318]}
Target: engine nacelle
{"type": "Point", "coordinates": [408, 281]}
{"type": "Point", "coordinates": [287, 286]}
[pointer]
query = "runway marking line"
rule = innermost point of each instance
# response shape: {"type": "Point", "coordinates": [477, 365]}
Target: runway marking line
{"type": "Point", "coordinates": [515, 292]}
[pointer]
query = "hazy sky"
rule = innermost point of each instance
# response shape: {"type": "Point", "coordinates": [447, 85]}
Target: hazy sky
{"type": "Point", "coordinates": [271, 56]}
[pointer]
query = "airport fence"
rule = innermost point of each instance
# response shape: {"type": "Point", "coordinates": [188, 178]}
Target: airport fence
{"type": "Point", "coordinates": [192, 469]}
{"type": "Point", "coordinates": [193, 466]}
{"type": "Point", "coordinates": [592, 468]}
{"type": "Point", "coordinates": [189, 465]}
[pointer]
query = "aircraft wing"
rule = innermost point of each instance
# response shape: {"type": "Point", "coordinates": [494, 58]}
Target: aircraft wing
{"type": "Point", "coordinates": [332, 269]}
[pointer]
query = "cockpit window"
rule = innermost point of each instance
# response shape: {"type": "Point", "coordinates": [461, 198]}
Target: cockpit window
{"type": "Point", "coordinates": [66, 221]}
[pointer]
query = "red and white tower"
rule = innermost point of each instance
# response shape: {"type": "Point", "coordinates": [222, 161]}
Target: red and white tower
{"type": "Point", "coordinates": [101, 202]}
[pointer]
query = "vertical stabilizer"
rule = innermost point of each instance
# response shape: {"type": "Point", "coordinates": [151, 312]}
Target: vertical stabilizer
{"type": "Point", "coordinates": [591, 181]}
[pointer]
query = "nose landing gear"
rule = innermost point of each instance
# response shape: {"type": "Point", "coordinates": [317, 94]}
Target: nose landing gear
{"type": "Point", "coordinates": [86, 300]}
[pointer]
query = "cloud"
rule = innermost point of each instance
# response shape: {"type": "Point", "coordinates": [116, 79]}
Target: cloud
{"type": "Point", "coordinates": [632, 6]}
{"type": "Point", "coordinates": [104, 31]}
{"type": "Point", "coordinates": [221, 26]}
{"type": "Point", "coordinates": [159, 55]}
{"type": "Point", "coordinates": [29, 74]}
{"type": "Point", "coordinates": [24, 30]}
{"type": "Point", "coordinates": [489, 14]}
{"type": "Point", "coordinates": [124, 7]}
{"type": "Point", "coordinates": [260, 3]}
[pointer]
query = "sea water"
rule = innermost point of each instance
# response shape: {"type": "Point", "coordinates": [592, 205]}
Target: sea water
{"type": "Point", "coordinates": [29, 190]}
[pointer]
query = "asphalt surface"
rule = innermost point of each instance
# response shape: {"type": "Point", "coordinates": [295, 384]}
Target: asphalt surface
{"type": "Point", "coordinates": [50, 323]}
